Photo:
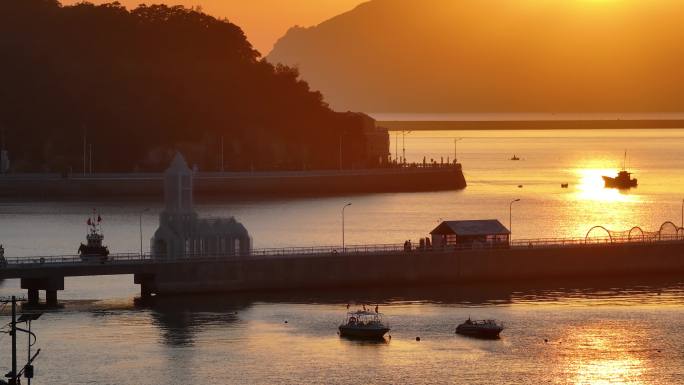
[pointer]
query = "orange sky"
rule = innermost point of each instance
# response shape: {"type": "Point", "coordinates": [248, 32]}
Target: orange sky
{"type": "Point", "coordinates": [264, 21]}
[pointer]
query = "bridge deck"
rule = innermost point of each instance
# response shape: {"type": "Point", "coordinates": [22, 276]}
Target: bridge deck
{"type": "Point", "coordinates": [115, 264]}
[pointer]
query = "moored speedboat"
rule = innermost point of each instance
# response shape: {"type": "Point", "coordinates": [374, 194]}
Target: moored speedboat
{"type": "Point", "coordinates": [489, 329]}
{"type": "Point", "coordinates": [364, 324]}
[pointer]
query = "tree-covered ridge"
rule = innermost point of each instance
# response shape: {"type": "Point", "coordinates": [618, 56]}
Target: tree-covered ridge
{"type": "Point", "coordinates": [144, 82]}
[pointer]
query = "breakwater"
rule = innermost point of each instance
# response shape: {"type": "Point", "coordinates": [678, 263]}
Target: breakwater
{"type": "Point", "coordinates": [397, 179]}
{"type": "Point", "coordinates": [357, 268]}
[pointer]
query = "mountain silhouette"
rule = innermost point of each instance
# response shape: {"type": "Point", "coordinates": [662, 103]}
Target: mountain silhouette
{"type": "Point", "coordinates": [495, 56]}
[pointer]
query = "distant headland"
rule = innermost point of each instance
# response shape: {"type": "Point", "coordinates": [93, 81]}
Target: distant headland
{"type": "Point", "coordinates": [475, 55]}
{"type": "Point", "coordinates": [447, 125]}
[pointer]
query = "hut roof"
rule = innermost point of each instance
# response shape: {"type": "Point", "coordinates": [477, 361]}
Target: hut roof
{"type": "Point", "coordinates": [471, 228]}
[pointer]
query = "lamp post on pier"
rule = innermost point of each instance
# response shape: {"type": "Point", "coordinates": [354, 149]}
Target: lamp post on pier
{"type": "Point", "coordinates": [510, 219]}
{"type": "Point", "coordinates": [456, 140]}
{"type": "Point", "coordinates": [344, 207]}
{"type": "Point", "coordinates": [141, 214]}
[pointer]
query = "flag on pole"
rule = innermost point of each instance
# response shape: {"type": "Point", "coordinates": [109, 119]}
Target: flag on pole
{"type": "Point", "coordinates": [89, 222]}
{"type": "Point", "coordinates": [99, 218]}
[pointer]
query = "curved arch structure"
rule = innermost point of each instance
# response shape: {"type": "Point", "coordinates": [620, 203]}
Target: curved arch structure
{"type": "Point", "coordinates": [667, 231]}
{"type": "Point", "coordinates": [672, 226]}
{"type": "Point", "coordinates": [586, 237]}
{"type": "Point", "coordinates": [641, 233]}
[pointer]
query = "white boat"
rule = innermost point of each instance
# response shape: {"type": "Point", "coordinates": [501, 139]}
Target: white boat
{"type": "Point", "coordinates": [364, 324]}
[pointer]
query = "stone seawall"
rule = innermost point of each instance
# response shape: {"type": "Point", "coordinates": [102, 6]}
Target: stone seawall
{"type": "Point", "coordinates": [415, 268]}
{"type": "Point", "coordinates": [51, 186]}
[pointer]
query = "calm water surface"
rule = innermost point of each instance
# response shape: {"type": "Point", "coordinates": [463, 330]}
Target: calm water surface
{"type": "Point", "coordinates": [598, 333]}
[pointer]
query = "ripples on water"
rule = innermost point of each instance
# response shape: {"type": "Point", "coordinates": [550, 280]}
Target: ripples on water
{"type": "Point", "coordinates": [607, 332]}
{"type": "Point", "coordinates": [585, 333]}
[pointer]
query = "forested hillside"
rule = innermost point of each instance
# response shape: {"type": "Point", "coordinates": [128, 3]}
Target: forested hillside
{"type": "Point", "coordinates": [138, 85]}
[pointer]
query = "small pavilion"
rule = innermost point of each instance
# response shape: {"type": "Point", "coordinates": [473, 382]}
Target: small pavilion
{"type": "Point", "coordinates": [471, 233]}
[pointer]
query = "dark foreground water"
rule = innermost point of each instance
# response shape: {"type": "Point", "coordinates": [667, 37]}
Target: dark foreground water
{"type": "Point", "coordinates": [613, 333]}
{"type": "Point", "coordinates": [621, 332]}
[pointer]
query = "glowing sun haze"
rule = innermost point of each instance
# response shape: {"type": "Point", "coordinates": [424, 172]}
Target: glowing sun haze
{"type": "Point", "coordinates": [264, 21]}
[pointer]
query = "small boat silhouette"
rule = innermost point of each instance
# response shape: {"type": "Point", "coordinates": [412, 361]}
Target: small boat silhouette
{"type": "Point", "coordinates": [488, 329]}
{"type": "Point", "coordinates": [623, 180]}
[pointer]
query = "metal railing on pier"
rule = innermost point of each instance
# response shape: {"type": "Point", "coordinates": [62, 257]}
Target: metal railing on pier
{"type": "Point", "coordinates": [325, 251]}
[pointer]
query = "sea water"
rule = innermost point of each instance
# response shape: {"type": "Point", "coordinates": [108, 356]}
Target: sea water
{"type": "Point", "coordinates": [593, 332]}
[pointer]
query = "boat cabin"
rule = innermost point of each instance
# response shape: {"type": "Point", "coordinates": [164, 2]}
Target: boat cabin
{"type": "Point", "coordinates": [470, 234]}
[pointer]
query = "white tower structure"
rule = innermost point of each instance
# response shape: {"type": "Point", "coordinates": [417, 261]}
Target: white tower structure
{"type": "Point", "coordinates": [178, 186]}
{"type": "Point", "coordinates": [181, 233]}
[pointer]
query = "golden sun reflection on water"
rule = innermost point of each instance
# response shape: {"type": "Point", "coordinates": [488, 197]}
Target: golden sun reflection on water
{"type": "Point", "coordinates": [604, 354]}
{"type": "Point", "coordinates": [592, 187]}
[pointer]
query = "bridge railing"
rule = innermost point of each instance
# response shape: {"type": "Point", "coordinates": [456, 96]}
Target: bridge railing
{"type": "Point", "coordinates": [67, 259]}
{"type": "Point", "coordinates": [317, 251]}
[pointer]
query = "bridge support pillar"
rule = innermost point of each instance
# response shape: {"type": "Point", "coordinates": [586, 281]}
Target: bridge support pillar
{"type": "Point", "coordinates": [49, 284]}
{"type": "Point", "coordinates": [147, 284]}
{"type": "Point", "coordinates": [145, 291]}
{"type": "Point", "coordinates": [51, 297]}
{"type": "Point", "coordinates": [33, 297]}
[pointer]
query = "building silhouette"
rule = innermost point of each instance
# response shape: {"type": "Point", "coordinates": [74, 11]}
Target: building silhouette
{"type": "Point", "coordinates": [182, 234]}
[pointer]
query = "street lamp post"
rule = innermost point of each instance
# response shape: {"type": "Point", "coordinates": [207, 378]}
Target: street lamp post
{"type": "Point", "coordinates": [141, 214]}
{"type": "Point", "coordinates": [344, 207]}
{"type": "Point", "coordinates": [403, 145]}
{"type": "Point", "coordinates": [456, 140]}
{"type": "Point", "coordinates": [510, 219]}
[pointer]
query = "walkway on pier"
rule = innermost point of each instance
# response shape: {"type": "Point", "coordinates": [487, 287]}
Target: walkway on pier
{"type": "Point", "coordinates": [130, 263]}
{"type": "Point", "coordinates": [48, 272]}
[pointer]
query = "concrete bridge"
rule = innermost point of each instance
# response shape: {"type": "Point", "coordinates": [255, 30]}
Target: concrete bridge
{"type": "Point", "coordinates": [357, 266]}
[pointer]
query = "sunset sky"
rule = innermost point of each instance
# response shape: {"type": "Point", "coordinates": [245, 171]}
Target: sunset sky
{"type": "Point", "coordinates": [264, 21]}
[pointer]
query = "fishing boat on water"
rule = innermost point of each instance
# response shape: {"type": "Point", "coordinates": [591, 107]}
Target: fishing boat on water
{"type": "Point", "coordinates": [93, 249]}
{"type": "Point", "coordinates": [489, 329]}
{"type": "Point", "coordinates": [364, 324]}
{"type": "Point", "coordinates": [623, 180]}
